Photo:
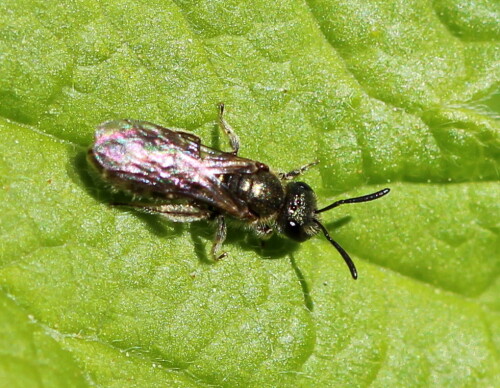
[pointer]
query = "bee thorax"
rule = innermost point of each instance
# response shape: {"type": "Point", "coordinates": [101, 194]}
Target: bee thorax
{"type": "Point", "coordinates": [262, 192]}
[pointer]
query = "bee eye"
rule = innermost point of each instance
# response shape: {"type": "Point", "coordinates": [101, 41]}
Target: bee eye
{"type": "Point", "coordinates": [294, 231]}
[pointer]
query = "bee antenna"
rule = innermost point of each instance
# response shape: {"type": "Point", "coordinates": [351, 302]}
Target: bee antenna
{"type": "Point", "coordinates": [363, 198]}
{"type": "Point", "coordinates": [343, 253]}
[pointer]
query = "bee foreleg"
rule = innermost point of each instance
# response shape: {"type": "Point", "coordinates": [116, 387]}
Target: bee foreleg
{"type": "Point", "coordinates": [220, 236]}
{"type": "Point", "coordinates": [233, 137]}
{"type": "Point", "coordinates": [172, 212]}
{"type": "Point", "coordinates": [295, 173]}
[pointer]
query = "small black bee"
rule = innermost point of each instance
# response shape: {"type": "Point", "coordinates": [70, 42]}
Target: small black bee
{"type": "Point", "coordinates": [186, 181]}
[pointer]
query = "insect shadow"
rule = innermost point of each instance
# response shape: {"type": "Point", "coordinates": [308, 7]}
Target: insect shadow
{"type": "Point", "coordinates": [275, 247]}
{"type": "Point", "coordinates": [308, 301]}
{"type": "Point", "coordinates": [337, 224]}
{"type": "Point", "coordinates": [200, 232]}
{"type": "Point", "coordinates": [80, 173]}
{"type": "Point", "coordinates": [306, 290]}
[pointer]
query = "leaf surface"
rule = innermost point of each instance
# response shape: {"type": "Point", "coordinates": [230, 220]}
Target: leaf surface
{"type": "Point", "coordinates": [397, 94]}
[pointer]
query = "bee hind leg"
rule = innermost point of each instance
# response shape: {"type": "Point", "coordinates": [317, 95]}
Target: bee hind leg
{"type": "Point", "coordinates": [172, 212]}
{"type": "Point", "coordinates": [220, 236]}
{"type": "Point", "coordinates": [295, 173]}
{"type": "Point", "coordinates": [231, 134]}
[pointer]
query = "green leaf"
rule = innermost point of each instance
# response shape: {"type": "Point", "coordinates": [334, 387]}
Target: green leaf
{"type": "Point", "coordinates": [396, 94]}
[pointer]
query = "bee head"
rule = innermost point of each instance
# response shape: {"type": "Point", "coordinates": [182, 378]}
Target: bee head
{"type": "Point", "coordinates": [299, 220]}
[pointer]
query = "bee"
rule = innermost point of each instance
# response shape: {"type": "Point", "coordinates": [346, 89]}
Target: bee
{"type": "Point", "coordinates": [173, 174]}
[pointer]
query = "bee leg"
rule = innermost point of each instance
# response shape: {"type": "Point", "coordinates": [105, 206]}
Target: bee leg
{"type": "Point", "coordinates": [172, 212]}
{"type": "Point", "coordinates": [220, 236]}
{"type": "Point", "coordinates": [233, 137]}
{"type": "Point", "coordinates": [263, 231]}
{"type": "Point", "coordinates": [295, 173]}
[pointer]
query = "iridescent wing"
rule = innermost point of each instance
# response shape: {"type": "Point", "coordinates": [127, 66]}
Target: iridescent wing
{"type": "Point", "coordinates": [148, 160]}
